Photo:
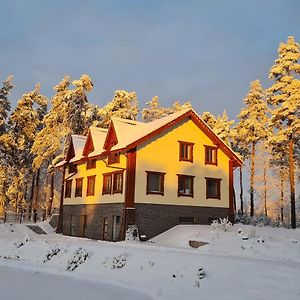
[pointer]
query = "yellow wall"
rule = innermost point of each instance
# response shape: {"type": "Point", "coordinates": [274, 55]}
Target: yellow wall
{"type": "Point", "coordinates": [98, 171]}
{"type": "Point", "coordinates": [161, 154]}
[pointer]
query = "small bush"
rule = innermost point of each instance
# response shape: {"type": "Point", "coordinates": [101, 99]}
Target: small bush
{"type": "Point", "coordinates": [79, 257]}
{"type": "Point", "coordinates": [222, 224]}
{"type": "Point", "coordinates": [51, 253]}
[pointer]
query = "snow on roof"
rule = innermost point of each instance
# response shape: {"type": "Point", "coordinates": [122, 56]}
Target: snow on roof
{"type": "Point", "coordinates": [78, 143]}
{"type": "Point", "coordinates": [129, 132]}
{"type": "Point", "coordinates": [140, 129]}
{"type": "Point", "coordinates": [98, 136]}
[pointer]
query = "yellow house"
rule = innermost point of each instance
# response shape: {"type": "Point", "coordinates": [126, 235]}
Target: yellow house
{"type": "Point", "coordinates": [154, 175]}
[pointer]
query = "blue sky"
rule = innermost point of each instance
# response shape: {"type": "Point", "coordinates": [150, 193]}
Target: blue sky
{"type": "Point", "coordinates": [203, 51]}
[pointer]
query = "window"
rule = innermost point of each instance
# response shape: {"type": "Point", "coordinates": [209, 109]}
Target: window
{"type": "Point", "coordinates": [105, 228]}
{"type": "Point", "coordinates": [78, 187]}
{"type": "Point", "coordinates": [68, 190]}
{"type": "Point", "coordinates": [213, 188]}
{"type": "Point", "coordinates": [113, 158]}
{"type": "Point", "coordinates": [186, 151]}
{"type": "Point", "coordinates": [107, 183]}
{"type": "Point", "coordinates": [90, 191]}
{"type": "Point", "coordinates": [187, 220]}
{"type": "Point", "coordinates": [211, 157]}
{"type": "Point", "coordinates": [91, 164]}
{"type": "Point", "coordinates": [185, 185]}
{"type": "Point", "coordinates": [118, 182]}
{"type": "Point", "coordinates": [155, 183]}
{"type": "Point", "coordinates": [72, 168]}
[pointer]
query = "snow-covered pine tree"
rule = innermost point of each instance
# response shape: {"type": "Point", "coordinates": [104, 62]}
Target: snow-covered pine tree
{"type": "Point", "coordinates": [252, 127]}
{"type": "Point", "coordinates": [155, 111]}
{"type": "Point", "coordinates": [24, 123]}
{"type": "Point", "coordinates": [124, 105]}
{"type": "Point", "coordinates": [4, 102]}
{"type": "Point", "coordinates": [284, 96]}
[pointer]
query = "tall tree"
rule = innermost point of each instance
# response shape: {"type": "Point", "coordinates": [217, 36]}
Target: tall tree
{"type": "Point", "coordinates": [4, 102]}
{"type": "Point", "coordinates": [284, 96]}
{"type": "Point", "coordinates": [24, 123]}
{"type": "Point", "coordinates": [252, 127]}
{"type": "Point", "coordinates": [155, 111]}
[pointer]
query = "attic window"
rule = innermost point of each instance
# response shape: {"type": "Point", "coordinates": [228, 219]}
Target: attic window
{"type": "Point", "coordinates": [72, 168]}
{"type": "Point", "coordinates": [113, 158]}
{"type": "Point", "coordinates": [211, 157]}
{"type": "Point", "coordinates": [186, 151]}
{"type": "Point", "coordinates": [91, 164]}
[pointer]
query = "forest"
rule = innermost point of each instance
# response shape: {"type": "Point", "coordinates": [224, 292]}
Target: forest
{"type": "Point", "coordinates": [266, 132]}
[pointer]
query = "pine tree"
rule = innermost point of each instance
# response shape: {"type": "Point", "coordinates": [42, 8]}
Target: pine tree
{"type": "Point", "coordinates": [284, 96]}
{"type": "Point", "coordinates": [124, 105]}
{"type": "Point", "coordinates": [24, 123]}
{"type": "Point", "coordinates": [4, 103]}
{"type": "Point", "coordinates": [155, 111]}
{"type": "Point", "coordinates": [252, 127]}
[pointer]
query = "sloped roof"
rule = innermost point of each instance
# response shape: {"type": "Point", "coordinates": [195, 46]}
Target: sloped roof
{"type": "Point", "coordinates": [78, 144]}
{"type": "Point", "coordinates": [132, 133]}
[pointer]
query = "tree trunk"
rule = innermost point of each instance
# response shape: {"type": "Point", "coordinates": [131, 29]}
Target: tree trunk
{"type": "Point", "coordinates": [252, 180]}
{"type": "Point", "coordinates": [36, 192]}
{"type": "Point", "coordinates": [281, 195]}
{"type": "Point", "coordinates": [241, 191]}
{"type": "Point", "coordinates": [49, 208]}
{"type": "Point", "coordinates": [59, 228]}
{"type": "Point", "coordinates": [292, 183]}
{"type": "Point", "coordinates": [265, 191]}
{"type": "Point", "coordinates": [31, 194]}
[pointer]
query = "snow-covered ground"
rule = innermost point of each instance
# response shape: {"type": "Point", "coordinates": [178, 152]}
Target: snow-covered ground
{"type": "Point", "coordinates": [244, 263]}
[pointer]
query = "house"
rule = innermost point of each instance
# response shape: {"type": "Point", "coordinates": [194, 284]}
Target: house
{"type": "Point", "coordinates": [154, 175]}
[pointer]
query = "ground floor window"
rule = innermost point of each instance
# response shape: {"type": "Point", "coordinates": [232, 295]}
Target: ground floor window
{"type": "Point", "coordinates": [72, 225]}
{"type": "Point", "coordinates": [187, 220]}
{"type": "Point", "coordinates": [82, 225]}
{"type": "Point", "coordinates": [105, 234]}
{"type": "Point", "coordinates": [185, 185]}
{"type": "Point", "coordinates": [213, 188]}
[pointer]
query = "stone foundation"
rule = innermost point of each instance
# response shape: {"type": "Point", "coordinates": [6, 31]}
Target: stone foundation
{"type": "Point", "coordinates": [151, 219]}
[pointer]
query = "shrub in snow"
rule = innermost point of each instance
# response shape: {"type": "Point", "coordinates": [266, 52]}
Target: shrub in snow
{"type": "Point", "coordinates": [52, 252]}
{"type": "Point", "coordinates": [20, 244]}
{"type": "Point", "coordinates": [200, 275]}
{"type": "Point", "coordinates": [132, 233]}
{"type": "Point", "coordinates": [117, 262]}
{"type": "Point", "coordinates": [79, 257]}
{"type": "Point", "coordinates": [222, 224]}
{"type": "Point", "coordinates": [255, 221]}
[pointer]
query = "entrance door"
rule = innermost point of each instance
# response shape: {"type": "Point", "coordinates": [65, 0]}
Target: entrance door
{"type": "Point", "coordinates": [116, 227]}
{"type": "Point", "coordinates": [82, 225]}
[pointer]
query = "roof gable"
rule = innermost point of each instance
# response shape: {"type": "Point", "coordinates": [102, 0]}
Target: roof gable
{"type": "Point", "coordinates": [111, 137]}
{"type": "Point", "coordinates": [89, 145]}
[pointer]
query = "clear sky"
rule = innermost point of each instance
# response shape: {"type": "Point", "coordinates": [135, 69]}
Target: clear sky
{"type": "Point", "coordinates": [203, 51]}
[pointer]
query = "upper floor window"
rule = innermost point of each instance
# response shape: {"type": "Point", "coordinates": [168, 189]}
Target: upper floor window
{"type": "Point", "coordinates": [186, 151]}
{"type": "Point", "coordinates": [155, 183]}
{"type": "Point", "coordinates": [118, 182]}
{"type": "Point", "coordinates": [213, 188]}
{"type": "Point", "coordinates": [68, 188]}
{"type": "Point", "coordinates": [107, 183]}
{"type": "Point", "coordinates": [185, 185]}
{"type": "Point", "coordinates": [113, 158]}
{"type": "Point", "coordinates": [211, 157]}
{"type": "Point", "coordinates": [78, 187]}
{"type": "Point", "coordinates": [91, 180]}
{"type": "Point", "coordinates": [91, 164]}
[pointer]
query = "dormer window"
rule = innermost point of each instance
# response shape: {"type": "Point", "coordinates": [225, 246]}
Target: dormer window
{"type": "Point", "coordinates": [211, 155]}
{"type": "Point", "coordinates": [113, 158]}
{"type": "Point", "coordinates": [72, 168]}
{"type": "Point", "coordinates": [186, 151]}
{"type": "Point", "coordinates": [91, 164]}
